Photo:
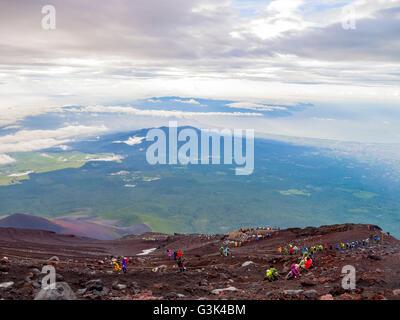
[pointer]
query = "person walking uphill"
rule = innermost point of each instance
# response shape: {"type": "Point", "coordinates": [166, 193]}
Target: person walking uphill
{"type": "Point", "coordinates": [175, 255]}
{"type": "Point", "coordinates": [271, 274]}
{"type": "Point", "coordinates": [292, 273]}
{"type": "Point", "coordinates": [169, 254]}
{"type": "Point", "coordinates": [124, 264]}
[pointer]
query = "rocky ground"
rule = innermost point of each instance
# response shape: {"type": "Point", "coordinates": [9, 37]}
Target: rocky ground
{"type": "Point", "coordinates": [84, 270]}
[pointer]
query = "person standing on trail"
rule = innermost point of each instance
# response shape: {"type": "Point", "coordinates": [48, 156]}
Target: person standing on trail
{"type": "Point", "coordinates": [221, 250]}
{"type": "Point", "coordinates": [179, 254]}
{"type": "Point", "coordinates": [169, 255]}
{"type": "Point", "coordinates": [181, 265]}
{"type": "Point", "coordinates": [175, 255]}
{"type": "Point", "coordinates": [116, 265]}
{"type": "Point", "coordinates": [124, 264]}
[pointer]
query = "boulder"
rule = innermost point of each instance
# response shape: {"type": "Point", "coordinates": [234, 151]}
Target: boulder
{"type": "Point", "coordinates": [6, 285]}
{"type": "Point", "coordinates": [326, 297]}
{"type": "Point", "coordinates": [396, 292]}
{"type": "Point", "coordinates": [293, 292]}
{"type": "Point", "coordinates": [218, 291]}
{"type": "Point", "coordinates": [96, 284]}
{"type": "Point", "coordinates": [61, 292]}
{"type": "Point", "coordinates": [247, 263]}
{"type": "Point", "coordinates": [54, 258]}
{"type": "Point", "coordinates": [310, 294]}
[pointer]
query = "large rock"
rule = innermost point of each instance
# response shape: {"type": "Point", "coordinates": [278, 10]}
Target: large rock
{"type": "Point", "coordinates": [326, 297]}
{"type": "Point", "coordinates": [247, 263]}
{"type": "Point", "coordinates": [96, 284]}
{"type": "Point", "coordinates": [218, 291]}
{"type": "Point", "coordinates": [61, 292]}
{"type": "Point", "coordinates": [310, 294]}
{"type": "Point", "coordinates": [293, 292]}
{"type": "Point", "coordinates": [54, 258]}
{"type": "Point", "coordinates": [6, 285]}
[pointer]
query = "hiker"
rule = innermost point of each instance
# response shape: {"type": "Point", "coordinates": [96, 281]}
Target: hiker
{"type": "Point", "coordinates": [291, 251]}
{"type": "Point", "coordinates": [116, 265]}
{"type": "Point", "coordinates": [181, 265]}
{"type": "Point", "coordinates": [124, 264]}
{"type": "Point", "coordinates": [169, 255]}
{"type": "Point", "coordinates": [293, 273]}
{"type": "Point", "coordinates": [222, 250]}
{"type": "Point", "coordinates": [271, 274]}
{"type": "Point", "coordinates": [295, 249]}
{"type": "Point", "coordinates": [280, 249]}
{"type": "Point", "coordinates": [175, 255]}
{"type": "Point", "coordinates": [227, 251]}
{"type": "Point", "coordinates": [308, 263]}
{"type": "Point", "coordinates": [179, 254]}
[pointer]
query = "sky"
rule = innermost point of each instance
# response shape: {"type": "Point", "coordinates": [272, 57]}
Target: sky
{"type": "Point", "coordinates": [326, 69]}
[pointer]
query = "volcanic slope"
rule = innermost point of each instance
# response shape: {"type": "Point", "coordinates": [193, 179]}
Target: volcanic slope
{"type": "Point", "coordinates": [84, 264]}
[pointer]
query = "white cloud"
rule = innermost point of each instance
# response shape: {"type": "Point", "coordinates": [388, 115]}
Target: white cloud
{"type": "Point", "coordinates": [254, 106]}
{"type": "Point", "coordinates": [191, 101]}
{"type": "Point", "coordinates": [5, 159]}
{"type": "Point", "coordinates": [161, 113]}
{"type": "Point", "coordinates": [132, 141]}
{"type": "Point", "coordinates": [33, 140]}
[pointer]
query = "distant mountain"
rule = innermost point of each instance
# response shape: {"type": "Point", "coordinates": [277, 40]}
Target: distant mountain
{"type": "Point", "coordinates": [28, 221]}
{"type": "Point", "coordinates": [78, 226]}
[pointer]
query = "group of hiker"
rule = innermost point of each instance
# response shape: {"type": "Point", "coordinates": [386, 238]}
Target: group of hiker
{"type": "Point", "coordinates": [308, 260]}
{"type": "Point", "coordinates": [225, 251]}
{"type": "Point", "coordinates": [293, 250]}
{"type": "Point", "coordinates": [123, 262]}
{"type": "Point", "coordinates": [306, 263]}
{"type": "Point", "coordinates": [178, 257]}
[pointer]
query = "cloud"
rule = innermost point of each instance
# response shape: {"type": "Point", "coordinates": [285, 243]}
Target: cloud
{"type": "Point", "coordinates": [254, 106]}
{"type": "Point", "coordinates": [132, 141]}
{"type": "Point", "coordinates": [33, 140]}
{"type": "Point", "coordinates": [160, 113]}
{"type": "Point", "coordinates": [190, 101]}
{"type": "Point", "coordinates": [5, 159]}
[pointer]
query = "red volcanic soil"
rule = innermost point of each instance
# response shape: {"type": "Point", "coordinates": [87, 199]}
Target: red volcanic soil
{"type": "Point", "coordinates": [82, 259]}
